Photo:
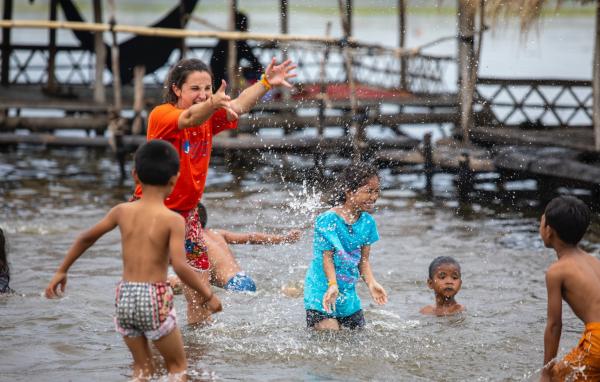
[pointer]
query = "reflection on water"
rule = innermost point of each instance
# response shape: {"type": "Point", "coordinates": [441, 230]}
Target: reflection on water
{"type": "Point", "coordinates": [47, 197]}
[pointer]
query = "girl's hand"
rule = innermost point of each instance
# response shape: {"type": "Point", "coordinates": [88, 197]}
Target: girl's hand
{"type": "Point", "coordinates": [329, 299]}
{"type": "Point", "coordinates": [221, 100]}
{"type": "Point", "coordinates": [378, 293]}
{"type": "Point", "coordinates": [277, 75]}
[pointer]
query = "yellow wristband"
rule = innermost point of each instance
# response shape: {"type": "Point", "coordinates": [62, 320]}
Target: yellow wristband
{"type": "Point", "coordinates": [265, 82]}
{"type": "Point", "coordinates": [330, 283]}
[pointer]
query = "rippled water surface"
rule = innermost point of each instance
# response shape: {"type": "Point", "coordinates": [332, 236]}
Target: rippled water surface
{"type": "Point", "coordinates": [262, 336]}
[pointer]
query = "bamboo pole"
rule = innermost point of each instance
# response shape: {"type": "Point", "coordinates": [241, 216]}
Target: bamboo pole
{"type": "Point", "coordinates": [51, 81]}
{"type": "Point", "coordinates": [232, 52]}
{"type": "Point", "coordinates": [466, 53]}
{"type": "Point", "coordinates": [183, 16]}
{"type": "Point", "coordinates": [99, 48]}
{"type": "Point", "coordinates": [596, 81]}
{"type": "Point", "coordinates": [118, 103]}
{"type": "Point", "coordinates": [356, 128]}
{"type": "Point", "coordinates": [6, 47]}
{"type": "Point", "coordinates": [402, 42]}
{"type": "Point", "coordinates": [319, 157]}
{"type": "Point", "coordinates": [139, 71]}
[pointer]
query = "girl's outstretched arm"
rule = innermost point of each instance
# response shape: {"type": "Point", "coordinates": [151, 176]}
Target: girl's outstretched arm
{"type": "Point", "coordinates": [275, 75]}
{"type": "Point", "coordinates": [378, 294]}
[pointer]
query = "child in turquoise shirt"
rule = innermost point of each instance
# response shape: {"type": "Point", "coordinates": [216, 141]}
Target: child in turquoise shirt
{"type": "Point", "coordinates": [342, 241]}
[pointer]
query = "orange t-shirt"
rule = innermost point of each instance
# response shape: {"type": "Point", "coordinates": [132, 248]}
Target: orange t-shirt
{"type": "Point", "coordinates": [193, 145]}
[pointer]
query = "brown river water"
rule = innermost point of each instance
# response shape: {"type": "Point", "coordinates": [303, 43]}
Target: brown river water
{"type": "Point", "coordinates": [48, 196]}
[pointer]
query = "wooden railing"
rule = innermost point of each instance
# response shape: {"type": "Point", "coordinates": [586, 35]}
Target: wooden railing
{"type": "Point", "coordinates": [74, 66]}
{"type": "Point", "coordinates": [534, 103]}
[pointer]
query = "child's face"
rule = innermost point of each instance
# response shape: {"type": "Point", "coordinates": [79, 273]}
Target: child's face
{"type": "Point", "coordinates": [446, 280]}
{"type": "Point", "coordinates": [196, 88]}
{"type": "Point", "coordinates": [364, 198]}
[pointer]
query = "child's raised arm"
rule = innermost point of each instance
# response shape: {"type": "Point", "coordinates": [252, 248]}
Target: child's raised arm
{"type": "Point", "coordinates": [182, 269]}
{"type": "Point", "coordinates": [378, 294]}
{"type": "Point", "coordinates": [259, 237]}
{"type": "Point", "coordinates": [81, 244]}
{"type": "Point", "coordinates": [275, 75]}
{"type": "Point", "coordinates": [554, 321]}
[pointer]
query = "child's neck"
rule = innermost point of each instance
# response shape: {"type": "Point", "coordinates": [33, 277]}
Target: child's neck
{"type": "Point", "coordinates": [442, 302]}
{"type": "Point", "coordinates": [562, 249]}
{"type": "Point", "coordinates": [348, 212]}
{"type": "Point", "coordinates": [154, 193]}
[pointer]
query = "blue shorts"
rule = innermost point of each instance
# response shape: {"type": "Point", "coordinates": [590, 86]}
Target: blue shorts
{"type": "Point", "coordinates": [241, 282]}
{"type": "Point", "coordinates": [354, 321]}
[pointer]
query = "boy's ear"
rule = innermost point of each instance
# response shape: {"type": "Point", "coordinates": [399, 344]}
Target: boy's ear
{"type": "Point", "coordinates": [135, 177]}
{"type": "Point", "coordinates": [173, 179]}
{"type": "Point", "coordinates": [430, 283]}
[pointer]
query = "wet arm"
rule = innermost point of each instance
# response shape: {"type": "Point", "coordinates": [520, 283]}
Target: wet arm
{"type": "Point", "coordinates": [254, 237]}
{"type": "Point", "coordinates": [364, 266]}
{"type": "Point", "coordinates": [178, 262]}
{"type": "Point", "coordinates": [329, 267]}
{"type": "Point", "coordinates": [196, 114]}
{"type": "Point", "coordinates": [554, 321]}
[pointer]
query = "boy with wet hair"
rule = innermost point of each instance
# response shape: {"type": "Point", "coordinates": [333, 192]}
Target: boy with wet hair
{"type": "Point", "coordinates": [151, 236]}
{"type": "Point", "coordinates": [445, 280]}
{"type": "Point", "coordinates": [574, 277]}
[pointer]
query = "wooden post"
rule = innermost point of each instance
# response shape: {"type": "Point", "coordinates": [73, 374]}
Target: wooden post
{"type": "Point", "coordinates": [465, 177]}
{"type": "Point", "coordinates": [466, 54]}
{"type": "Point", "coordinates": [428, 164]}
{"type": "Point", "coordinates": [232, 72]}
{"type": "Point", "coordinates": [51, 83]}
{"type": "Point", "coordinates": [348, 13]}
{"type": "Point", "coordinates": [6, 49]}
{"type": "Point", "coordinates": [283, 12]}
{"type": "Point", "coordinates": [100, 49]}
{"type": "Point", "coordinates": [117, 101]}
{"type": "Point", "coordinates": [139, 71]}
{"type": "Point", "coordinates": [596, 81]}
{"type": "Point", "coordinates": [319, 155]}
{"type": "Point", "coordinates": [402, 42]}
{"type": "Point", "coordinates": [357, 138]}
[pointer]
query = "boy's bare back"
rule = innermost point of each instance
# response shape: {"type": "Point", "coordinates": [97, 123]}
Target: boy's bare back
{"type": "Point", "coordinates": [149, 232]}
{"type": "Point", "coordinates": [576, 276]}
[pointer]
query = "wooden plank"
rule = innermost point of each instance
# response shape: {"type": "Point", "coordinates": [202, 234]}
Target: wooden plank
{"type": "Point", "coordinates": [572, 137]}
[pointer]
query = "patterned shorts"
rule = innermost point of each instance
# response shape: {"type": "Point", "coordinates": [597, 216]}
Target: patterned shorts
{"type": "Point", "coordinates": [195, 246]}
{"type": "Point", "coordinates": [144, 309]}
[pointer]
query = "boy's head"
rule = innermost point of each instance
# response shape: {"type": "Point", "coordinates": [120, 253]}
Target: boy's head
{"type": "Point", "coordinates": [444, 276]}
{"type": "Point", "coordinates": [567, 217]}
{"type": "Point", "coordinates": [156, 163]}
{"type": "Point", "coordinates": [202, 215]}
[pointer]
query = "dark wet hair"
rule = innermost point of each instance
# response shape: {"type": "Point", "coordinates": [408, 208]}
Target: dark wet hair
{"type": "Point", "coordinates": [179, 73]}
{"type": "Point", "coordinates": [569, 217]}
{"type": "Point", "coordinates": [439, 261]}
{"type": "Point", "coordinates": [156, 161]}
{"type": "Point", "coordinates": [352, 178]}
{"type": "Point", "coordinates": [202, 215]}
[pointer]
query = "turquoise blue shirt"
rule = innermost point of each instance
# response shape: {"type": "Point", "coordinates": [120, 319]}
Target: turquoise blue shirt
{"type": "Point", "coordinates": [345, 240]}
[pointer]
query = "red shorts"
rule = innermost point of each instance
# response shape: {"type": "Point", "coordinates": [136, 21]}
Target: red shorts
{"type": "Point", "coordinates": [195, 246]}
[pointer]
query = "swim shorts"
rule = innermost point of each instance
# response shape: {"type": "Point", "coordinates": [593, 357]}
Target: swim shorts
{"type": "Point", "coordinates": [195, 246]}
{"type": "Point", "coordinates": [241, 282]}
{"type": "Point", "coordinates": [144, 309]}
{"type": "Point", "coordinates": [583, 362]}
{"type": "Point", "coordinates": [353, 321]}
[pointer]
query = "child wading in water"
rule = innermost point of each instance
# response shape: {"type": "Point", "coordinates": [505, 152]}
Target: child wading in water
{"type": "Point", "coordinates": [575, 278]}
{"type": "Point", "coordinates": [151, 236]}
{"type": "Point", "coordinates": [342, 244]}
{"type": "Point", "coordinates": [445, 280]}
